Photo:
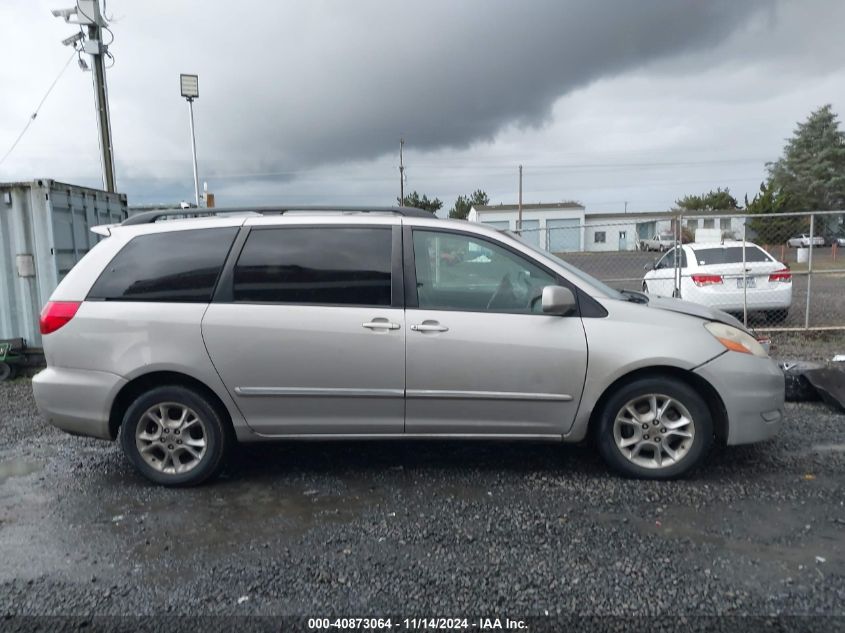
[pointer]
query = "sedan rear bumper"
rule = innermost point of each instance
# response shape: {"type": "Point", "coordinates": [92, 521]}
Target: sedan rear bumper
{"type": "Point", "coordinates": [728, 297]}
{"type": "Point", "coordinates": [752, 390]}
{"type": "Point", "coordinates": [78, 401]}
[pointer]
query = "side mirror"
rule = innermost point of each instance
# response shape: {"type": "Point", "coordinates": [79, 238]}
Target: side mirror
{"type": "Point", "coordinates": [650, 265]}
{"type": "Point", "coordinates": [558, 300]}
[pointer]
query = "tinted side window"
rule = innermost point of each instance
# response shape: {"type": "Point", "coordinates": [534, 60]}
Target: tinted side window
{"type": "Point", "coordinates": [323, 265]}
{"type": "Point", "coordinates": [180, 266]}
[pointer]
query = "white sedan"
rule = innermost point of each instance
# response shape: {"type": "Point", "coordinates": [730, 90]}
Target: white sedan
{"type": "Point", "coordinates": [804, 241]}
{"type": "Point", "coordinates": [713, 274]}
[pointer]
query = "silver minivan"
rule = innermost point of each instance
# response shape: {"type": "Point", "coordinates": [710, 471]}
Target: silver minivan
{"type": "Point", "coordinates": [184, 336]}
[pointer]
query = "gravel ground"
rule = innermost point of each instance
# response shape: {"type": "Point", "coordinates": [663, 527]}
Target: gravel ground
{"type": "Point", "coordinates": [818, 347]}
{"type": "Point", "coordinates": [421, 529]}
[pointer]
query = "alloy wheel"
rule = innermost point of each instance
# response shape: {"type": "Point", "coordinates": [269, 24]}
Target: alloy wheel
{"type": "Point", "coordinates": [654, 431]}
{"type": "Point", "coordinates": [171, 438]}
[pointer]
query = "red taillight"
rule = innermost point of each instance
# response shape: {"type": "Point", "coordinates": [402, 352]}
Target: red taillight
{"type": "Point", "coordinates": [56, 313]}
{"type": "Point", "coordinates": [783, 275]}
{"type": "Point", "coordinates": [706, 280]}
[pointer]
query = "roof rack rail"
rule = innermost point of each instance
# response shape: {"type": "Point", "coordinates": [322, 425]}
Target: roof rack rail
{"type": "Point", "coordinates": [148, 217]}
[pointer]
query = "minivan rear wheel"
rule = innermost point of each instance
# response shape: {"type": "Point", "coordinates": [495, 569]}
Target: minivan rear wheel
{"type": "Point", "coordinates": [174, 436]}
{"type": "Point", "coordinates": [654, 428]}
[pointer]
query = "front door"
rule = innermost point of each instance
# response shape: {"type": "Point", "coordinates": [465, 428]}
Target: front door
{"type": "Point", "coordinates": [664, 280]}
{"type": "Point", "coordinates": [482, 359]}
{"type": "Point", "coordinates": [311, 339]}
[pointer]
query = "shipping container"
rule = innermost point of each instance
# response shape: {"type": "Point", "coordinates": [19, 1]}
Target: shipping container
{"type": "Point", "coordinates": [44, 230]}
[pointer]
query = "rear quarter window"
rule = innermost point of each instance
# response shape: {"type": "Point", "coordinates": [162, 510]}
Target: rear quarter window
{"type": "Point", "coordinates": [180, 266]}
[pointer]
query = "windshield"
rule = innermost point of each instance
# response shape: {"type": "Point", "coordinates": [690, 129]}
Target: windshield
{"type": "Point", "coordinates": [576, 272]}
{"type": "Point", "coordinates": [729, 255]}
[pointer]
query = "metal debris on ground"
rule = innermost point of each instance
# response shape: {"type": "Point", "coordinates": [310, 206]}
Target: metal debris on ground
{"type": "Point", "coordinates": [829, 383]}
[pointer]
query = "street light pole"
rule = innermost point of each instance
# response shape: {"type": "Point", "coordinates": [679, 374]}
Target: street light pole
{"type": "Point", "coordinates": [190, 90]}
{"type": "Point", "coordinates": [194, 153]}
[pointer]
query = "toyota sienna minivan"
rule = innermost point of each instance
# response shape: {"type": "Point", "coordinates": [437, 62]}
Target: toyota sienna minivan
{"type": "Point", "coordinates": [181, 337]}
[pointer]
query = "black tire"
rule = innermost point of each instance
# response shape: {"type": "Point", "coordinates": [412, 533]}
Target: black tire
{"type": "Point", "coordinates": [675, 389]}
{"type": "Point", "coordinates": [7, 372]}
{"type": "Point", "coordinates": [215, 431]}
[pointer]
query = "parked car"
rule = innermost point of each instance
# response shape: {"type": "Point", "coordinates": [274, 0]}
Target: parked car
{"type": "Point", "coordinates": [180, 338]}
{"type": "Point", "coordinates": [804, 240]}
{"type": "Point", "coordinates": [712, 274]}
{"type": "Point", "coordinates": [659, 243]}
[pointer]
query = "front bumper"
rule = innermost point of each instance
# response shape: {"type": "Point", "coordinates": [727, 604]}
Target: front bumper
{"type": "Point", "coordinates": [77, 401]}
{"type": "Point", "coordinates": [752, 390]}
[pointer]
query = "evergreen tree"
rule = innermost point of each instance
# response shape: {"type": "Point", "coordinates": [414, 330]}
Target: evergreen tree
{"type": "Point", "coordinates": [716, 200]}
{"type": "Point", "coordinates": [460, 210]}
{"type": "Point", "coordinates": [770, 230]}
{"type": "Point", "coordinates": [811, 172]}
{"type": "Point", "coordinates": [421, 202]}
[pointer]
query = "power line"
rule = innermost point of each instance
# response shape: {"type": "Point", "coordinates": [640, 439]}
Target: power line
{"type": "Point", "coordinates": [38, 108]}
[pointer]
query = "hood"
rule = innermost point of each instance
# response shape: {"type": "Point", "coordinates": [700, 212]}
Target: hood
{"type": "Point", "coordinates": [695, 310]}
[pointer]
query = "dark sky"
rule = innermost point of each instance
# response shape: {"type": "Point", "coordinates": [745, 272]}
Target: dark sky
{"type": "Point", "coordinates": [602, 101]}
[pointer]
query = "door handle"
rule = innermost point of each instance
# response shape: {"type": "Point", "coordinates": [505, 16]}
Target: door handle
{"type": "Point", "coordinates": [429, 327]}
{"type": "Point", "coordinates": [383, 324]}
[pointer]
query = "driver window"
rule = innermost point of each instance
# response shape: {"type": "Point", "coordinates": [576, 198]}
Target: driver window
{"type": "Point", "coordinates": [668, 260]}
{"type": "Point", "coordinates": [463, 272]}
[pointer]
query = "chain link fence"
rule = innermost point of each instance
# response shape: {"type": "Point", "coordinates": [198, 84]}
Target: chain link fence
{"type": "Point", "coordinates": [776, 272]}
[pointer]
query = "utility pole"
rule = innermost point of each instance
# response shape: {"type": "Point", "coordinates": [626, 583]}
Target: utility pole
{"type": "Point", "coordinates": [626, 206]}
{"type": "Point", "coordinates": [87, 13]}
{"type": "Point", "coordinates": [95, 38]}
{"type": "Point", "coordinates": [401, 174]}
{"type": "Point", "coordinates": [519, 217]}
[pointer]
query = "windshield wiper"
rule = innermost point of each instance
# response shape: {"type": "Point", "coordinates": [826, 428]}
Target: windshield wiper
{"type": "Point", "coordinates": [633, 296]}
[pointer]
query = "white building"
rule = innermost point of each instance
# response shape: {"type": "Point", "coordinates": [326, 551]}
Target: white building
{"type": "Point", "coordinates": [556, 226]}
{"type": "Point", "coordinates": [569, 226]}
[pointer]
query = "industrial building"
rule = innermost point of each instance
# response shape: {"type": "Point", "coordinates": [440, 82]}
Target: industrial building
{"type": "Point", "coordinates": [568, 226]}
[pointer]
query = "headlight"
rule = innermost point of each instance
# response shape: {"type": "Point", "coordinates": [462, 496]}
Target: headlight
{"type": "Point", "coordinates": [735, 339]}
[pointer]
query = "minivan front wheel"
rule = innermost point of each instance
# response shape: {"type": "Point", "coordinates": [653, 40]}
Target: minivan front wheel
{"type": "Point", "coordinates": [655, 428]}
{"type": "Point", "coordinates": [174, 436]}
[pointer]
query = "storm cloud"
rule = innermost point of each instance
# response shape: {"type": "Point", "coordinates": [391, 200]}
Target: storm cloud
{"type": "Point", "coordinates": [318, 93]}
{"type": "Point", "coordinates": [288, 85]}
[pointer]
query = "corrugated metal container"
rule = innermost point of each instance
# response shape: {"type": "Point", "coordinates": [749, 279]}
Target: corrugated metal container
{"type": "Point", "coordinates": [44, 231]}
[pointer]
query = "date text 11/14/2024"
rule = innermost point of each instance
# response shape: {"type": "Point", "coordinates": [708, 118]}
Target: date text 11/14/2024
{"type": "Point", "coordinates": [417, 624]}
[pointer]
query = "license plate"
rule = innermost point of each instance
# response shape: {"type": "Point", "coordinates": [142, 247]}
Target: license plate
{"type": "Point", "coordinates": [750, 282]}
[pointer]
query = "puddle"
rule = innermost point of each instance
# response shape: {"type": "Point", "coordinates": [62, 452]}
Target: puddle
{"type": "Point", "coordinates": [18, 468]}
{"type": "Point", "coordinates": [217, 518]}
{"type": "Point", "coordinates": [757, 531]}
